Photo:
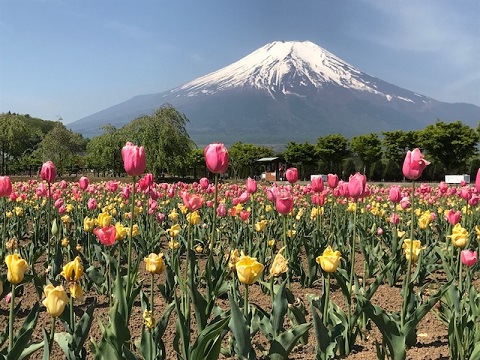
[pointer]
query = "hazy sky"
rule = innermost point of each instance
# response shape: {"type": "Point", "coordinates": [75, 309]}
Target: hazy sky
{"type": "Point", "coordinates": [72, 58]}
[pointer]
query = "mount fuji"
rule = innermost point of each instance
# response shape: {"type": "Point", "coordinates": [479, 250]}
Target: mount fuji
{"type": "Point", "coordinates": [286, 91]}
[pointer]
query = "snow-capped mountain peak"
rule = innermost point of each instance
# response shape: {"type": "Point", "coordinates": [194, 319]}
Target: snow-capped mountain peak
{"type": "Point", "coordinates": [283, 66]}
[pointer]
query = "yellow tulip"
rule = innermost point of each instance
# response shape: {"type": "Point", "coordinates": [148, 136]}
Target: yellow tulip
{"type": "Point", "coordinates": [173, 215]}
{"type": "Point", "coordinates": [16, 268]}
{"type": "Point", "coordinates": [135, 230]}
{"type": "Point", "coordinates": [199, 249]}
{"type": "Point", "coordinates": [193, 218]}
{"type": "Point", "coordinates": [121, 231]}
{"type": "Point", "coordinates": [104, 220]}
{"type": "Point", "coordinates": [148, 319]}
{"type": "Point", "coordinates": [174, 231]}
{"type": "Point", "coordinates": [268, 208]}
{"type": "Point", "coordinates": [76, 291]}
{"type": "Point", "coordinates": [66, 220]}
{"type": "Point", "coordinates": [352, 207]}
{"type": "Point", "coordinates": [459, 236]}
{"type": "Point", "coordinates": [477, 230]}
{"type": "Point", "coordinates": [248, 269]}
{"type": "Point", "coordinates": [173, 244]}
{"type": "Point", "coordinates": [329, 260]}
{"type": "Point", "coordinates": [238, 208]}
{"type": "Point", "coordinates": [271, 242]}
{"type": "Point", "coordinates": [279, 265]}
{"type": "Point", "coordinates": [73, 271]}
{"type": "Point", "coordinates": [56, 300]}
{"type": "Point", "coordinates": [154, 263]}
{"type": "Point", "coordinates": [260, 226]}
{"type": "Point", "coordinates": [416, 248]}
{"type": "Point", "coordinates": [88, 224]}
{"type": "Point", "coordinates": [232, 261]}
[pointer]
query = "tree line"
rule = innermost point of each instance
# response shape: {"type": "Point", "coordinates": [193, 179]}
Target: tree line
{"type": "Point", "coordinates": [26, 142]}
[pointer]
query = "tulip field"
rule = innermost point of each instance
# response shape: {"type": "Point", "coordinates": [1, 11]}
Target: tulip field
{"type": "Point", "coordinates": [138, 269]}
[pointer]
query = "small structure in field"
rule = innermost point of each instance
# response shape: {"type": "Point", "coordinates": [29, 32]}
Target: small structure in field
{"type": "Point", "coordinates": [457, 179]}
{"type": "Point", "coordinates": [273, 168]}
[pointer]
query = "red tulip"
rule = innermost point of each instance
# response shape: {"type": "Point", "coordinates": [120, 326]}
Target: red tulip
{"type": "Point", "coordinates": [357, 185]}
{"type": "Point", "coordinates": [221, 210]}
{"type": "Point", "coordinates": [244, 215]}
{"type": "Point", "coordinates": [332, 180]}
{"type": "Point", "coordinates": [453, 217]}
{"type": "Point", "coordinates": [468, 257]}
{"type": "Point", "coordinates": [83, 183]}
{"type": "Point", "coordinates": [48, 172]}
{"type": "Point", "coordinates": [216, 158]}
{"type": "Point", "coordinates": [292, 175]}
{"type": "Point", "coordinates": [5, 186]}
{"type": "Point", "coordinates": [134, 159]}
{"type": "Point", "coordinates": [317, 184]}
{"type": "Point", "coordinates": [251, 186]}
{"type": "Point", "coordinates": [414, 164]}
{"type": "Point", "coordinates": [284, 202]}
{"type": "Point", "coordinates": [106, 235]}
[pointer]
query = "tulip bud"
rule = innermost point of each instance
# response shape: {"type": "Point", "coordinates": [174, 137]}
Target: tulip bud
{"type": "Point", "coordinates": [251, 186]}
{"type": "Point", "coordinates": [16, 267]}
{"type": "Point", "coordinates": [248, 269]}
{"type": "Point", "coordinates": [216, 158]}
{"type": "Point", "coordinates": [83, 182]}
{"type": "Point", "coordinates": [317, 184]}
{"type": "Point", "coordinates": [154, 263]}
{"type": "Point", "coordinates": [329, 260]}
{"type": "Point", "coordinates": [468, 257]}
{"type": "Point", "coordinates": [56, 300]}
{"type": "Point", "coordinates": [414, 164]}
{"type": "Point", "coordinates": [5, 186]}
{"type": "Point", "coordinates": [284, 202]}
{"type": "Point", "coordinates": [134, 159]}
{"type": "Point", "coordinates": [48, 172]}
{"type": "Point", "coordinates": [292, 175]}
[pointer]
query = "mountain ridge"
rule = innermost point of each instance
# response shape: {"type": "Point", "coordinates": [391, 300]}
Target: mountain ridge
{"type": "Point", "coordinates": [286, 91]}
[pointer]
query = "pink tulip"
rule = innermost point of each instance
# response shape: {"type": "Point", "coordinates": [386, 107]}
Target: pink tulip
{"type": "Point", "coordinates": [395, 194]}
{"type": "Point", "coordinates": [243, 198]}
{"type": "Point", "coordinates": [477, 181]}
{"type": "Point", "coordinates": [48, 172]}
{"type": "Point", "coordinates": [468, 257]}
{"type": "Point", "coordinates": [405, 202]}
{"type": "Point", "coordinates": [92, 204]}
{"type": "Point", "coordinates": [317, 184]}
{"type": "Point", "coordinates": [126, 192]}
{"type": "Point", "coordinates": [134, 159]}
{"type": "Point", "coordinates": [204, 183]}
{"type": "Point", "coordinates": [453, 217]}
{"type": "Point", "coordinates": [216, 158]}
{"type": "Point", "coordinates": [292, 175]}
{"type": "Point", "coordinates": [192, 202]}
{"type": "Point", "coordinates": [357, 185]}
{"type": "Point", "coordinates": [332, 180]}
{"type": "Point", "coordinates": [221, 210]}
{"type": "Point", "coordinates": [244, 215]}
{"type": "Point", "coordinates": [414, 164]}
{"type": "Point", "coordinates": [379, 231]}
{"type": "Point", "coordinates": [160, 217]}
{"type": "Point", "coordinates": [284, 202]}
{"type": "Point", "coordinates": [83, 182]}
{"type": "Point", "coordinates": [394, 218]}
{"type": "Point", "coordinates": [63, 184]}
{"type": "Point", "coordinates": [106, 235]}
{"type": "Point", "coordinates": [251, 186]}
{"type": "Point", "coordinates": [5, 186]}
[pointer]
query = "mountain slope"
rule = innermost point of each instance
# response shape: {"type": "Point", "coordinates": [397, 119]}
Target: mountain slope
{"type": "Point", "coordinates": [286, 91]}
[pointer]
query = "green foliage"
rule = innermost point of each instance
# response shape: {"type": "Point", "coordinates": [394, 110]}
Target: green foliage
{"type": "Point", "coordinates": [397, 143]}
{"type": "Point", "coordinates": [104, 151]}
{"type": "Point", "coordinates": [242, 159]}
{"type": "Point", "coordinates": [368, 147]}
{"type": "Point", "coordinates": [332, 150]}
{"type": "Point", "coordinates": [303, 156]}
{"type": "Point", "coordinates": [452, 144]}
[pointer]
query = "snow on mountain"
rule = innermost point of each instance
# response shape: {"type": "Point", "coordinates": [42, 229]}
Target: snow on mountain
{"type": "Point", "coordinates": [286, 66]}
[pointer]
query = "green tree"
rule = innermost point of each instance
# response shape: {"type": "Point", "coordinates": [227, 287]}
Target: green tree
{"type": "Point", "coordinates": [302, 156]}
{"type": "Point", "coordinates": [61, 146]}
{"type": "Point", "coordinates": [452, 144]}
{"type": "Point", "coordinates": [332, 150]}
{"type": "Point", "coordinates": [397, 143]}
{"type": "Point", "coordinates": [164, 136]}
{"type": "Point", "coordinates": [242, 159]}
{"type": "Point", "coordinates": [104, 151]}
{"type": "Point", "coordinates": [368, 148]}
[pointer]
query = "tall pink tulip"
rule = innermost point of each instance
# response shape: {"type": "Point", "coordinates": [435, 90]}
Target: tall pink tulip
{"type": "Point", "coordinates": [292, 175]}
{"type": "Point", "coordinates": [134, 159]}
{"type": "Point", "coordinates": [332, 180]}
{"type": "Point", "coordinates": [317, 184]}
{"type": "Point", "coordinates": [204, 183]}
{"type": "Point", "coordinates": [453, 217]}
{"type": "Point", "coordinates": [5, 186]}
{"type": "Point", "coordinates": [92, 204]}
{"type": "Point", "coordinates": [83, 182]}
{"type": "Point", "coordinates": [251, 186]}
{"type": "Point", "coordinates": [192, 201]}
{"type": "Point", "coordinates": [48, 172]}
{"type": "Point", "coordinates": [216, 158]}
{"type": "Point", "coordinates": [221, 210]}
{"type": "Point", "coordinates": [356, 185]}
{"type": "Point", "coordinates": [284, 202]}
{"type": "Point", "coordinates": [414, 164]}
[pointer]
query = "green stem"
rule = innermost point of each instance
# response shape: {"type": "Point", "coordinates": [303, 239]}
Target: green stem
{"type": "Point", "coordinates": [130, 235]}
{"type": "Point", "coordinates": [409, 269]}
{"type": "Point", "coordinates": [327, 299]}
{"type": "Point", "coordinates": [4, 229]}
{"type": "Point", "coordinates": [52, 334]}
{"type": "Point", "coordinates": [188, 270]}
{"type": "Point", "coordinates": [152, 285]}
{"type": "Point", "coordinates": [72, 315]}
{"type": "Point", "coordinates": [272, 293]}
{"type": "Point", "coordinates": [460, 277]}
{"type": "Point", "coordinates": [246, 305]}
{"type": "Point", "coordinates": [214, 220]}
{"type": "Point", "coordinates": [11, 319]}
{"type": "Point", "coordinates": [49, 222]}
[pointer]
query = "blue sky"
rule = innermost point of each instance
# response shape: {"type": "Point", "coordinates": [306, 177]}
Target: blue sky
{"type": "Point", "coordinates": [72, 58]}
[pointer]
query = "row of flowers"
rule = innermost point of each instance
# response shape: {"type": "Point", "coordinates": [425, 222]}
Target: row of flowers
{"type": "Point", "coordinates": [206, 238]}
